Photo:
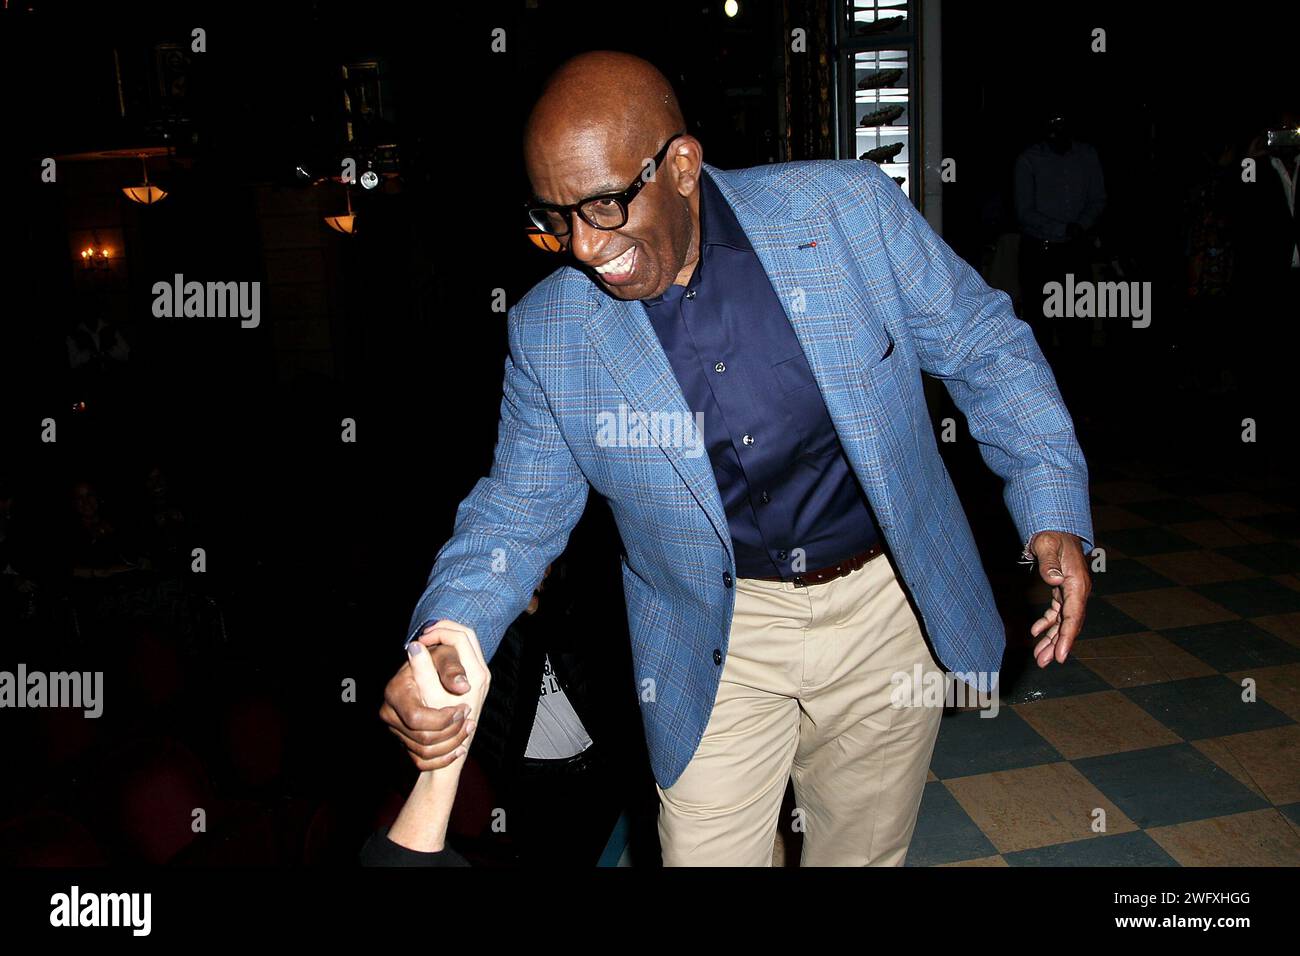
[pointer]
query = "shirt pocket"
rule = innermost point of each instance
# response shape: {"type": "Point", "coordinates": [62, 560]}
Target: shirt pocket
{"type": "Point", "coordinates": [792, 374]}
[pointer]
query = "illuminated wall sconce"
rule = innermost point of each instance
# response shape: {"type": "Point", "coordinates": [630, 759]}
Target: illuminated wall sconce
{"type": "Point", "coordinates": [345, 224]}
{"type": "Point", "coordinates": [95, 257]}
{"type": "Point", "coordinates": [146, 193]}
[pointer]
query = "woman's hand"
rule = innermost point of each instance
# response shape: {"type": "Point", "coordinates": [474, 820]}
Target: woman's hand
{"type": "Point", "coordinates": [422, 824]}
{"type": "Point", "coordinates": [465, 641]}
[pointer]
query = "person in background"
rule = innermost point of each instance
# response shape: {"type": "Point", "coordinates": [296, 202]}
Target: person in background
{"type": "Point", "coordinates": [559, 790]}
{"type": "Point", "coordinates": [1273, 239]}
{"type": "Point", "coordinates": [1059, 195]}
{"type": "Point", "coordinates": [98, 549]}
{"type": "Point", "coordinates": [162, 522]}
{"type": "Point", "coordinates": [1216, 363]}
{"type": "Point", "coordinates": [418, 837]}
{"type": "Point", "coordinates": [1267, 275]}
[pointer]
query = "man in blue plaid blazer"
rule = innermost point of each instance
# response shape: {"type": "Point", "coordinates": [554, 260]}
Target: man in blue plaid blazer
{"type": "Point", "coordinates": [874, 299]}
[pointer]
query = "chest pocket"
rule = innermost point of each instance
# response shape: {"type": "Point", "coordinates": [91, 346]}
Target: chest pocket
{"type": "Point", "coordinates": [792, 374]}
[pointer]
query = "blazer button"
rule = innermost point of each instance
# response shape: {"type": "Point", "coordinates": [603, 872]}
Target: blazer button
{"type": "Point", "coordinates": [717, 657]}
{"type": "Point", "coordinates": [726, 579]}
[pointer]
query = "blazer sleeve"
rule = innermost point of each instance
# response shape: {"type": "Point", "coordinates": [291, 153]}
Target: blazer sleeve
{"type": "Point", "coordinates": [514, 522]}
{"type": "Point", "coordinates": [967, 335]}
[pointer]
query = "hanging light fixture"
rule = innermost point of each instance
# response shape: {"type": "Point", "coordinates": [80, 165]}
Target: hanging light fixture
{"type": "Point", "coordinates": [146, 193]}
{"type": "Point", "coordinates": [345, 224]}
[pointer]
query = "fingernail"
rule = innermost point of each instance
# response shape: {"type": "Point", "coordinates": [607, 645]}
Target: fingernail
{"type": "Point", "coordinates": [461, 680]}
{"type": "Point", "coordinates": [459, 715]}
{"type": "Point", "coordinates": [413, 648]}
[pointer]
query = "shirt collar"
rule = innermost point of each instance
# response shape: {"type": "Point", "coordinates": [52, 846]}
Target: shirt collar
{"type": "Point", "coordinates": [718, 227]}
{"type": "Point", "coordinates": [718, 223]}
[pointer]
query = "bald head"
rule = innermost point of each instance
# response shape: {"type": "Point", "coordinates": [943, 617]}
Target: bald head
{"type": "Point", "coordinates": [601, 118]}
{"type": "Point", "coordinates": [624, 95]}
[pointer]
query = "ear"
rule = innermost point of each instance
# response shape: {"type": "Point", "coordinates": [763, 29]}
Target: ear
{"type": "Point", "coordinates": [686, 159]}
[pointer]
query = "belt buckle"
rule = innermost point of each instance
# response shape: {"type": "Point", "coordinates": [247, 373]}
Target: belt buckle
{"type": "Point", "coordinates": [820, 576]}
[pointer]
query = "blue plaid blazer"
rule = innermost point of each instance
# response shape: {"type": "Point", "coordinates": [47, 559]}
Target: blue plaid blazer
{"type": "Point", "coordinates": [876, 298]}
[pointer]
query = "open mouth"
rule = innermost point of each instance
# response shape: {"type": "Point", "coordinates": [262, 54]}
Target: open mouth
{"type": "Point", "coordinates": [619, 270]}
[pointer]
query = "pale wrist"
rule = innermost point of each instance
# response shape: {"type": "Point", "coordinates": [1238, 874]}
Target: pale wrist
{"type": "Point", "coordinates": [422, 823]}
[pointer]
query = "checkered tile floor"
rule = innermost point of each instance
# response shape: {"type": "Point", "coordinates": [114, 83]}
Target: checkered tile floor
{"type": "Point", "coordinates": [1146, 721]}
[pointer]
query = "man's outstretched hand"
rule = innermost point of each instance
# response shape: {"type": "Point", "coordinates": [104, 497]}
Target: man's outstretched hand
{"type": "Point", "coordinates": [1064, 566]}
{"type": "Point", "coordinates": [433, 735]}
{"type": "Point", "coordinates": [422, 823]}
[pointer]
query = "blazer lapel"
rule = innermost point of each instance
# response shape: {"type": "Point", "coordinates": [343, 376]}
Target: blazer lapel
{"type": "Point", "coordinates": [626, 342]}
{"type": "Point", "coordinates": [799, 257]}
{"type": "Point", "coordinates": [838, 339]}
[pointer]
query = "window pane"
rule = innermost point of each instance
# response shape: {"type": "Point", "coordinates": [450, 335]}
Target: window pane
{"type": "Point", "coordinates": [882, 112]}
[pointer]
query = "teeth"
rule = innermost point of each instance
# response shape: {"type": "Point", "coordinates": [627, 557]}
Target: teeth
{"type": "Point", "coordinates": [619, 265]}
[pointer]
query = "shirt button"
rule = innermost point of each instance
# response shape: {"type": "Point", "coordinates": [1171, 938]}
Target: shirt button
{"type": "Point", "coordinates": [748, 439]}
{"type": "Point", "coordinates": [765, 497]}
{"type": "Point", "coordinates": [717, 656]}
{"type": "Point", "coordinates": [780, 555]}
{"type": "Point", "coordinates": [720, 367]}
{"type": "Point", "coordinates": [726, 579]}
{"type": "Point", "coordinates": [690, 294]}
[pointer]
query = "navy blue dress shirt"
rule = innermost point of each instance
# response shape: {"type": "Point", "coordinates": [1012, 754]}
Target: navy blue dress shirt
{"type": "Point", "coordinates": [792, 501]}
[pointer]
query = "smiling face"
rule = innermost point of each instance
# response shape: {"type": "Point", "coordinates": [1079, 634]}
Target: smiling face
{"type": "Point", "coordinates": [580, 142]}
{"type": "Point", "coordinates": [658, 243]}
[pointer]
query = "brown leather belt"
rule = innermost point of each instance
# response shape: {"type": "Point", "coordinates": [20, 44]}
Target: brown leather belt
{"type": "Point", "coordinates": [822, 575]}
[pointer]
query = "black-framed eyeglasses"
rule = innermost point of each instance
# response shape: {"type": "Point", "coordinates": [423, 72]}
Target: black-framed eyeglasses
{"type": "Point", "coordinates": [605, 211]}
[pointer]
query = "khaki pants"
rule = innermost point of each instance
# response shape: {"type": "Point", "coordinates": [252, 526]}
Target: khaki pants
{"type": "Point", "coordinates": [806, 690]}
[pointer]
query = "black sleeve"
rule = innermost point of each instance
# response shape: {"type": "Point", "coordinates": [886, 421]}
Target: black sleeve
{"type": "Point", "coordinates": [381, 851]}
